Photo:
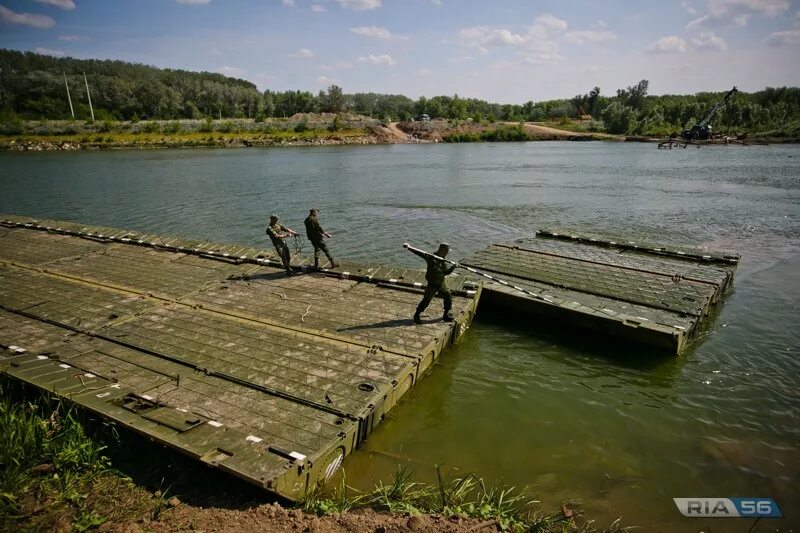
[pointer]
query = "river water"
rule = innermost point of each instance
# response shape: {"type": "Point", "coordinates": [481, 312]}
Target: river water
{"type": "Point", "coordinates": [621, 431]}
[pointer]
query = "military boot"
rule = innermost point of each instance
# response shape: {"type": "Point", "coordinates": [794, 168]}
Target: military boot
{"type": "Point", "coordinates": [447, 317]}
{"type": "Point", "coordinates": [417, 319]}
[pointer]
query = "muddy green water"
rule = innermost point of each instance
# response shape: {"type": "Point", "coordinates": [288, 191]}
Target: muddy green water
{"type": "Point", "coordinates": [574, 418]}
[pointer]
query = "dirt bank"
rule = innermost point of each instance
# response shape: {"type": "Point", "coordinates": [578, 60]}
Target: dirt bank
{"type": "Point", "coordinates": [273, 517]}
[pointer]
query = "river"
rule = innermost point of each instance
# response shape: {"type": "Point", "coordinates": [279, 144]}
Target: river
{"type": "Point", "coordinates": [622, 431]}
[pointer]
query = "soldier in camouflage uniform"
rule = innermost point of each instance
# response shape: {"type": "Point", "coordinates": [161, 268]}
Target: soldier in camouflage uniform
{"type": "Point", "coordinates": [435, 276]}
{"type": "Point", "coordinates": [316, 235]}
{"type": "Point", "coordinates": [278, 232]}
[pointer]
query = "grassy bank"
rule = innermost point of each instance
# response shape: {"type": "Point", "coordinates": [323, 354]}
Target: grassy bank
{"type": "Point", "coordinates": [60, 470]}
{"type": "Point", "coordinates": [76, 135]}
{"type": "Point", "coordinates": [176, 140]}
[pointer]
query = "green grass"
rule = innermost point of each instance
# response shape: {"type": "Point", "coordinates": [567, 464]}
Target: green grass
{"type": "Point", "coordinates": [46, 454]}
{"type": "Point", "coordinates": [509, 508]}
{"type": "Point", "coordinates": [499, 134]}
{"type": "Point", "coordinates": [53, 473]}
{"type": "Point", "coordinates": [181, 138]}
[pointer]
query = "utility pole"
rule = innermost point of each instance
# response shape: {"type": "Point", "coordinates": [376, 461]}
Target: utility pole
{"type": "Point", "coordinates": [89, 96]}
{"type": "Point", "coordinates": [71, 110]}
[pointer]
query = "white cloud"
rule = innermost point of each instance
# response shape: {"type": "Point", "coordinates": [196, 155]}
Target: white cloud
{"type": "Point", "coordinates": [719, 8]}
{"type": "Point", "coordinates": [736, 13]}
{"type": "Point", "coordinates": [784, 38]}
{"type": "Point", "coordinates": [193, 2]}
{"type": "Point", "coordinates": [230, 71]}
{"type": "Point", "coordinates": [698, 23]}
{"type": "Point", "coordinates": [536, 46]}
{"type": "Point", "coordinates": [383, 59]}
{"type": "Point", "coordinates": [303, 53]}
{"type": "Point", "coordinates": [589, 36]}
{"type": "Point", "coordinates": [688, 7]}
{"type": "Point", "coordinates": [26, 19]}
{"type": "Point", "coordinates": [288, 3]}
{"type": "Point", "coordinates": [70, 38]}
{"type": "Point", "coordinates": [49, 52]}
{"type": "Point", "coordinates": [372, 31]}
{"type": "Point", "coordinates": [66, 5]}
{"type": "Point", "coordinates": [423, 72]}
{"type": "Point", "coordinates": [325, 80]}
{"type": "Point", "coordinates": [436, 2]}
{"type": "Point", "coordinates": [551, 22]}
{"type": "Point", "coordinates": [316, 8]}
{"type": "Point", "coordinates": [483, 36]}
{"type": "Point", "coordinates": [600, 24]}
{"type": "Point", "coordinates": [709, 41]}
{"type": "Point", "coordinates": [667, 45]}
{"type": "Point", "coordinates": [360, 5]}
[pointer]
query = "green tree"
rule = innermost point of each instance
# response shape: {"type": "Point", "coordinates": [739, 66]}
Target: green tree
{"type": "Point", "coordinates": [333, 101]}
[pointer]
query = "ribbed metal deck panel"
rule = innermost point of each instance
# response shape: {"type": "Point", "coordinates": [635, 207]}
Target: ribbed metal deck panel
{"type": "Point", "coordinates": [210, 349]}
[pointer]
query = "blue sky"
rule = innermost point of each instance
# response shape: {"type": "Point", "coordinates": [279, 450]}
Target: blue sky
{"type": "Point", "coordinates": [507, 51]}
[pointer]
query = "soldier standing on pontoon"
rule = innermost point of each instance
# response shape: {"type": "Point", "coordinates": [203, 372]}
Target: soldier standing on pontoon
{"type": "Point", "coordinates": [316, 235]}
{"type": "Point", "coordinates": [435, 276]}
{"type": "Point", "coordinates": [278, 232]}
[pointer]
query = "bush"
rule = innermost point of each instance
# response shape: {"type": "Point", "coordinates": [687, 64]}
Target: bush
{"type": "Point", "coordinates": [620, 118]}
{"type": "Point", "coordinates": [301, 126]}
{"type": "Point", "coordinates": [336, 124]}
{"type": "Point", "coordinates": [11, 123]}
{"type": "Point", "coordinates": [462, 137]}
{"type": "Point", "coordinates": [173, 127]}
{"type": "Point", "coordinates": [505, 134]}
{"type": "Point", "coordinates": [207, 126]}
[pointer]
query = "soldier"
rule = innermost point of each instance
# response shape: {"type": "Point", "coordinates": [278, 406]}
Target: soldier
{"type": "Point", "coordinates": [435, 276]}
{"type": "Point", "coordinates": [278, 232]}
{"type": "Point", "coordinates": [316, 235]}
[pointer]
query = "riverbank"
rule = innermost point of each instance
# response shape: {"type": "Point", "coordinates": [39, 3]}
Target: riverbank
{"type": "Point", "coordinates": [305, 129]}
{"type": "Point", "coordinates": [62, 471]}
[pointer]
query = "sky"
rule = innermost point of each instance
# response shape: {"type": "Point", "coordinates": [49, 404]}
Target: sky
{"type": "Point", "coordinates": [506, 51]}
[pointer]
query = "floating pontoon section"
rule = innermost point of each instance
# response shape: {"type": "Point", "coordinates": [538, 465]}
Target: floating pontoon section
{"type": "Point", "coordinates": [210, 349]}
{"type": "Point", "coordinates": [644, 292]}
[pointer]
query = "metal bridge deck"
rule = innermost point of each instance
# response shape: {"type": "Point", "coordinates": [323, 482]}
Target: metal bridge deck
{"type": "Point", "coordinates": [640, 291]}
{"type": "Point", "coordinates": [210, 348]}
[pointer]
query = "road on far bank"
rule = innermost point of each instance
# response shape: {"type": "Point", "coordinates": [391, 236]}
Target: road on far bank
{"type": "Point", "coordinates": [537, 129]}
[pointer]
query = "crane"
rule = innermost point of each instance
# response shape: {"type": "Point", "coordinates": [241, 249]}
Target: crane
{"type": "Point", "coordinates": [702, 131]}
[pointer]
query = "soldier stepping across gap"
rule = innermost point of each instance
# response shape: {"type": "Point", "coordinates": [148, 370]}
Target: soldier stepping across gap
{"type": "Point", "coordinates": [437, 284]}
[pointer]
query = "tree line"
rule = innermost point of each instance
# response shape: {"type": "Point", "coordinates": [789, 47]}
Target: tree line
{"type": "Point", "coordinates": [32, 86]}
